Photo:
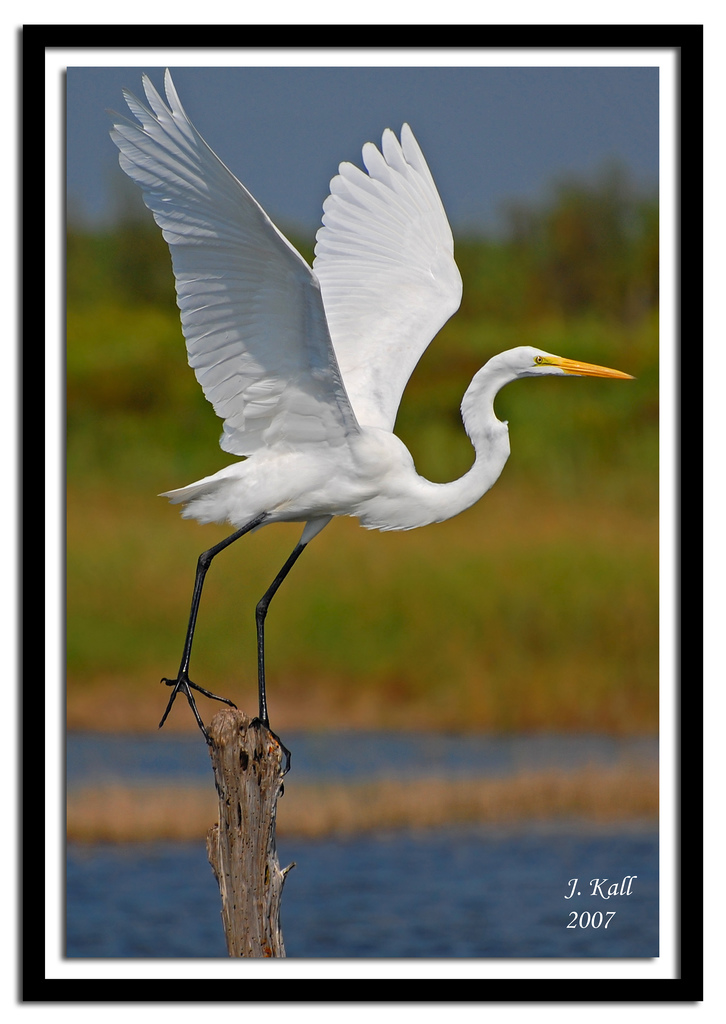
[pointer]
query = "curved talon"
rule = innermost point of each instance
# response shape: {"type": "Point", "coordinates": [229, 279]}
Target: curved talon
{"type": "Point", "coordinates": [288, 756]}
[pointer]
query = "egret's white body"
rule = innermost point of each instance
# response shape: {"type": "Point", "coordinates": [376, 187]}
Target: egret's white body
{"type": "Point", "coordinates": [306, 367]}
{"type": "Point", "coordinates": [371, 475]}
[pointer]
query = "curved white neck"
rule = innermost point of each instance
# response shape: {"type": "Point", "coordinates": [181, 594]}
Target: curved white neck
{"type": "Point", "coordinates": [414, 501]}
{"type": "Point", "coordinates": [488, 435]}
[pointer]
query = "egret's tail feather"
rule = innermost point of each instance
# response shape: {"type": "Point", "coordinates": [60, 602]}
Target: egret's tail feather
{"type": "Point", "coordinates": [219, 498]}
{"type": "Point", "coordinates": [181, 495]}
{"type": "Point", "coordinates": [200, 500]}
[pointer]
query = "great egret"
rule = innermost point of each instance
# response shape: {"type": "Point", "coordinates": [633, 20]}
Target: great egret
{"type": "Point", "coordinates": [307, 367]}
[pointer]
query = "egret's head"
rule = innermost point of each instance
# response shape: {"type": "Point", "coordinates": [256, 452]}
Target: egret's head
{"type": "Point", "coordinates": [526, 361]}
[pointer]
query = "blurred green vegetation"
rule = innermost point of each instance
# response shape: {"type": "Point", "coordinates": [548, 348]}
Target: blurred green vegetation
{"type": "Point", "coordinates": [536, 609]}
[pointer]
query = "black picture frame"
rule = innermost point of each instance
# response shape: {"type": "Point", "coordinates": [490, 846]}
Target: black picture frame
{"type": "Point", "coordinates": [686, 41]}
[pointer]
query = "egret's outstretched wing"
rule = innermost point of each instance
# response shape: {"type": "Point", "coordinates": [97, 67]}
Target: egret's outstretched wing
{"type": "Point", "coordinates": [385, 261]}
{"type": "Point", "coordinates": [250, 306]}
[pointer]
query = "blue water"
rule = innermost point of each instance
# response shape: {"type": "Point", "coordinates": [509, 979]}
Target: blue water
{"type": "Point", "coordinates": [349, 756]}
{"type": "Point", "coordinates": [471, 893]}
{"type": "Point", "coordinates": [476, 892]}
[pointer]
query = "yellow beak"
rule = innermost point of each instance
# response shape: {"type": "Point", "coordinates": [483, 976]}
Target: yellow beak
{"type": "Point", "coordinates": [586, 369]}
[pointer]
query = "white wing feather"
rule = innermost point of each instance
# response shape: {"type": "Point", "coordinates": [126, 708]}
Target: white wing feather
{"type": "Point", "coordinates": [251, 307]}
{"type": "Point", "coordinates": [385, 261]}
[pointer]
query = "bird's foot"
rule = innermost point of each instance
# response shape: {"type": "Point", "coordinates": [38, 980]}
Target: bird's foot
{"type": "Point", "coordinates": [283, 748]}
{"type": "Point", "coordinates": [183, 684]}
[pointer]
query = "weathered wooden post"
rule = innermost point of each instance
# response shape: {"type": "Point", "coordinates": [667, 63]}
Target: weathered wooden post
{"type": "Point", "coordinates": [249, 765]}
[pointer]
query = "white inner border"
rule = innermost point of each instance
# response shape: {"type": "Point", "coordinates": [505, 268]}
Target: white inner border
{"type": "Point", "coordinates": [56, 61]}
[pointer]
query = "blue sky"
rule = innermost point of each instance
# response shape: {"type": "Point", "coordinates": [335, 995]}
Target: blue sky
{"type": "Point", "coordinates": [489, 134]}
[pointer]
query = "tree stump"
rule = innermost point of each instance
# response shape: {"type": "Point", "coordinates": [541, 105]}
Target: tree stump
{"type": "Point", "coordinates": [248, 769]}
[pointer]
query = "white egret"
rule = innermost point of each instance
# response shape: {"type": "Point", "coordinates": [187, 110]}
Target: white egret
{"type": "Point", "coordinates": [307, 366]}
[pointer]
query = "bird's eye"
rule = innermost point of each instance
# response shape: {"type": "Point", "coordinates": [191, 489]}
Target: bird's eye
{"type": "Point", "coordinates": [539, 359]}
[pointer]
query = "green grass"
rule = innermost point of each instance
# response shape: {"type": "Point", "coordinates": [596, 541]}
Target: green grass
{"type": "Point", "coordinates": [528, 611]}
{"type": "Point", "coordinates": [536, 609]}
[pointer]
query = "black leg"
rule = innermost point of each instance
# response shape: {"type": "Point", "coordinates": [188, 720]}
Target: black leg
{"type": "Point", "coordinates": [183, 683]}
{"type": "Point", "coordinates": [261, 612]}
